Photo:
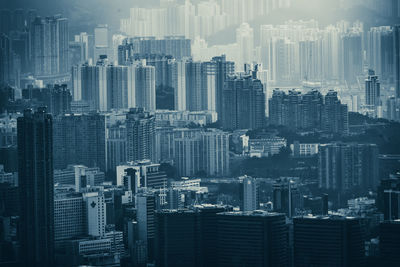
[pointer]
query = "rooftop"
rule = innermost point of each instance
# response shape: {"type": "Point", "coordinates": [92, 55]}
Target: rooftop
{"type": "Point", "coordinates": [255, 213]}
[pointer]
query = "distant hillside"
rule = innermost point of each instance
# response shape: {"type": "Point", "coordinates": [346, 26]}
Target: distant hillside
{"type": "Point", "coordinates": [85, 14]}
{"type": "Point", "coordinates": [81, 13]}
{"type": "Point", "coordinates": [330, 15]}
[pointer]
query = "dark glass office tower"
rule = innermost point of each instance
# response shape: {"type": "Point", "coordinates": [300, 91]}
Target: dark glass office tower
{"type": "Point", "coordinates": [35, 169]}
{"type": "Point", "coordinates": [254, 238]}
{"type": "Point", "coordinates": [389, 243]}
{"type": "Point", "coordinates": [328, 241]}
{"type": "Point", "coordinates": [188, 237]}
{"type": "Point", "coordinates": [209, 232]}
{"type": "Point", "coordinates": [177, 238]}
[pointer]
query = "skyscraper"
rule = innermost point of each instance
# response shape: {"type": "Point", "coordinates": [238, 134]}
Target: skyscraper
{"type": "Point", "coordinates": [277, 114]}
{"type": "Point", "coordinates": [249, 194]}
{"type": "Point", "coordinates": [243, 103]}
{"type": "Point", "coordinates": [345, 166]}
{"type": "Point", "coordinates": [35, 169]}
{"type": "Point", "coordinates": [396, 47]}
{"type": "Point", "coordinates": [310, 58]}
{"type": "Point", "coordinates": [391, 203]}
{"type": "Point", "coordinates": [245, 41]}
{"type": "Point", "coordinates": [103, 86]}
{"type": "Point", "coordinates": [5, 21]}
{"type": "Point", "coordinates": [286, 197]}
{"type": "Point", "coordinates": [85, 177]}
{"type": "Point", "coordinates": [352, 57]}
{"type": "Point", "coordinates": [334, 115]}
{"type": "Point", "coordinates": [372, 91]}
{"type": "Point", "coordinates": [179, 84]}
{"type": "Point", "coordinates": [285, 109]}
{"type": "Point", "coordinates": [116, 146]}
{"type": "Point", "coordinates": [144, 172]}
{"type": "Point", "coordinates": [380, 52]}
{"type": "Point", "coordinates": [389, 242]}
{"type": "Point", "coordinates": [140, 133]}
{"type": "Point", "coordinates": [215, 145]}
{"type": "Point", "coordinates": [144, 80]}
{"type": "Point", "coordinates": [119, 87]}
{"type": "Point", "coordinates": [57, 98]}
{"type": "Point", "coordinates": [49, 44]}
{"type": "Point", "coordinates": [188, 151]}
{"type": "Point", "coordinates": [328, 241]}
{"type": "Point", "coordinates": [308, 111]}
{"type": "Point", "coordinates": [60, 99]}
{"type": "Point", "coordinates": [5, 59]}
{"type": "Point", "coordinates": [164, 144]}
{"type": "Point", "coordinates": [80, 139]}
{"type": "Point", "coordinates": [224, 69]}
{"type": "Point", "coordinates": [388, 197]}
{"type": "Point", "coordinates": [201, 152]}
{"type": "Point", "coordinates": [393, 109]}
{"type": "Point", "coordinates": [284, 56]}
{"type": "Point", "coordinates": [178, 238]}
{"type": "Point", "coordinates": [268, 235]}
{"type": "Point", "coordinates": [330, 52]}
{"type": "Point", "coordinates": [176, 46]}
{"type": "Point", "coordinates": [164, 78]}
{"type": "Point", "coordinates": [209, 232]}
{"type": "Point", "coordinates": [101, 36]}
{"type": "Point", "coordinates": [311, 110]}
{"type": "Point", "coordinates": [90, 85]}
{"type": "Point", "coordinates": [69, 216]}
{"type": "Point", "coordinates": [146, 206]}
{"type": "Point", "coordinates": [188, 237]}
{"type": "Point", "coordinates": [95, 207]}
{"type": "Point", "coordinates": [86, 42]}
{"type": "Point", "coordinates": [102, 42]}
{"type": "Point", "coordinates": [200, 86]}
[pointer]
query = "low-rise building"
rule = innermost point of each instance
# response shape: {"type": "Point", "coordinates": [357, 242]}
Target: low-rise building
{"type": "Point", "coordinates": [266, 147]}
{"type": "Point", "coordinates": [300, 150]}
{"type": "Point", "coordinates": [183, 118]}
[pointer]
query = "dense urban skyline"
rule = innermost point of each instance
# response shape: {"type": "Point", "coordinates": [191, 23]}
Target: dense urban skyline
{"type": "Point", "coordinates": [200, 133]}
